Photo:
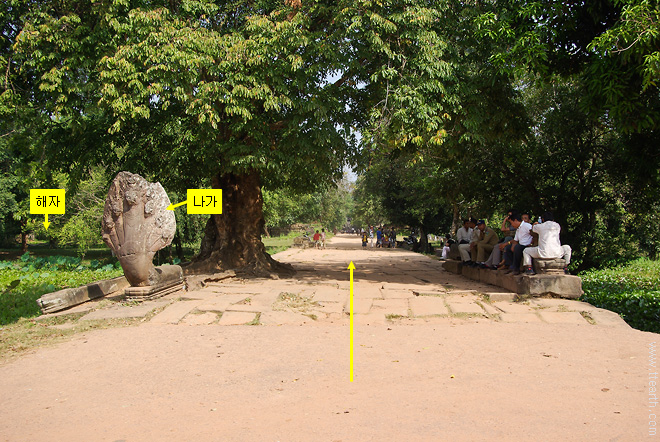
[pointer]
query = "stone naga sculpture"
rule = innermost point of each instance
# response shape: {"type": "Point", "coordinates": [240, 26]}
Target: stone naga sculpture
{"type": "Point", "coordinates": [136, 225]}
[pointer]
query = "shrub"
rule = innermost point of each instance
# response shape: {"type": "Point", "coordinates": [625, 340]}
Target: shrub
{"type": "Point", "coordinates": [24, 281]}
{"type": "Point", "coordinates": [633, 291]}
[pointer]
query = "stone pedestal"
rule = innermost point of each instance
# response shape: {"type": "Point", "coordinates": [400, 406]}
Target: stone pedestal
{"type": "Point", "coordinates": [552, 266]}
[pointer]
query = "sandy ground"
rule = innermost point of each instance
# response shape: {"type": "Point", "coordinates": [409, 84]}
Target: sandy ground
{"type": "Point", "coordinates": [451, 368]}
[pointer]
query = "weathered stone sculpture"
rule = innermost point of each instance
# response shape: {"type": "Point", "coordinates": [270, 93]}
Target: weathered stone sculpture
{"type": "Point", "coordinates": [136, 225]}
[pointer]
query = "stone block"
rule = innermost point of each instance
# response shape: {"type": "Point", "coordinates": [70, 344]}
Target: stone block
{"type": "Point", "coordinates": [565, 286]}
{"type": "Point", "coordinates": [549, 266]}
{"type": "Point", "coordinates": [471, 272]}
{"type": "Point", "coordinates": [62, 299]}
{"type": "Point", "coordinates": [501, 296]}
{"type": "Point", "coordinates": [452, 266]}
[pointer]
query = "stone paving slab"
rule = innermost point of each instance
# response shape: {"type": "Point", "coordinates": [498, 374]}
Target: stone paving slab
{"type": "Point", "coordinates": [562, 317]}
{"type": "Point", "coordinates": [397, 294]}
{"type": "Point", "coordinates": [490, 309]}
{"type": "Point", "coordinates": [361, 306]}
{"type": "Point", "coordinates": [608, 318]}
{"type": "Point", "coordinates": [248, 308]}
{"type": "Point", "coordinates": [198, 294]}
{"type": "Point", "coordinates": [501, 296]}
{"type": "Point", "coordinates": [202, 319]}
{"type": "Point", "coordinates": [391, 306]}
{"type": "Point", "coordinates": [236, 318]}
{"type": "Point", "coordinates": [246, 289]}
{"type": "Point", "coordinates": [214, 305]}
{"type": "Point", "coordinates": [520, 317]}
{"type": "Point", "coordinates": [175, 312]}
{"type": "Point", "coordinates": [374, 318]}
{"type": "Point", "coordinates": [283, 318]}
{"type": "Point", "coordinates": [265, 300]}
{"type": "Point", "coordinates": [428, 305]}
{"type": "Point", "coordinates": [330, 294]}
{"type": "Point", "coordinates": [512, 307]}
{"type": "Point", "coordinates": [362, 291]}
{"type": "Point", "coordinates": [331, 307]}
{"type": "Point", "coordinates": [465, 307]}
{"type": "Point", "coordinates": [124, 311]}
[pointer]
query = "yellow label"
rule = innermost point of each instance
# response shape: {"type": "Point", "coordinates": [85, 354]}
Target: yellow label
{"type": "Point", "coordinates": [43, 201]}
{"type": "Point", "coordinates": [205, 201]}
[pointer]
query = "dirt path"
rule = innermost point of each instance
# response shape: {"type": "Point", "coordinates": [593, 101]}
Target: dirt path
{"type": "Point", "coordinates": [434, 360]}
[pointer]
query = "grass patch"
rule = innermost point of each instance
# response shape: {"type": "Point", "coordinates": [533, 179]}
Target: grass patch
{"type": "Point", "coordinates": [256, 320]}
{"type": "Point", "coordinates": [295, 302]}
{"type": "Point", "coordinates": [393, 317]}
{"type": "Point", "coordinates": [633, 291]}
{"type": "Point", "coordinates": [28, 334]}
{"type": "Point", "coordinates": [25, 280]}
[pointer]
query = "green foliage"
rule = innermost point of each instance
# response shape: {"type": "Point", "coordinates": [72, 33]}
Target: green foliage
{"type": "Point", "coordinates": [633, 291]}
{"type": "Point", "coordinates": [23, 281]}
{"type": "Point", "coordinates": [330, 206]}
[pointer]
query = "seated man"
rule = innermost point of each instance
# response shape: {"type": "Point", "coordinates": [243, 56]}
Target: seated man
{"type": "Point", "coordinates": [549, 244]}
{"type": "Point", "coordinates": [464, 248]}
{"type": "Point", "coordinates": [464, 234]}
{"type": "Point", "coordinates": [522, 240]}
{"type": "Point", "coordinates": [484, 246]}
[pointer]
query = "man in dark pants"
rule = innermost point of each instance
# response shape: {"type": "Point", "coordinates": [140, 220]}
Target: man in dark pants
{"type": "Point", "coordinates": [513, 254]}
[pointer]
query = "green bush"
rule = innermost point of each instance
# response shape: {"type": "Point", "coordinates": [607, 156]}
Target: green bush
{"type": "Point", "coordinates": [633, 291]}
{"type": "Point", "coordinates": [25, 280]}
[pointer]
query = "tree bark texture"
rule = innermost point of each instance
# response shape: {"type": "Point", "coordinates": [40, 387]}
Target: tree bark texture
{"type": "Point", "coordinates": [232, 240]}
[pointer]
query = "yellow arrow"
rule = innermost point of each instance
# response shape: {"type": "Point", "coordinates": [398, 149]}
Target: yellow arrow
{"type": "Point", "coordinates": [46, 223]}
{"type": "Point", "coordinates": [351, 267]}
{"type": "Point", "coordinates": [174, 206]}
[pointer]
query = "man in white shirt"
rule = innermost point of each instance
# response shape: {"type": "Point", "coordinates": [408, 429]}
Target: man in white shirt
{"type": "Point", "coordinates": [464, 240]}
{"type": "Point", "coordinates": [549, 243]}
{"type": "Point", "coordinates": [523, 239]}
{"type": "Point", "coordinates": [464, 234]}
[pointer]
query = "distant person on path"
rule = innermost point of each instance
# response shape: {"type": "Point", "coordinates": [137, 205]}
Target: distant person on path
{"type": "Point", "coordinates": [323, 238]}
{"type": "Point", "coordinates": [371, 236]}
{"type": "Point", "coordinates": [549, 244]}
{"type": "Point", "coordinates": [365, 239]}
{"type": "Point", "coordinates": [379, 237]}
{"type": "Point", "coordinates": [317, 240]}
{"type": "Point", "coordinates": [392, 238]}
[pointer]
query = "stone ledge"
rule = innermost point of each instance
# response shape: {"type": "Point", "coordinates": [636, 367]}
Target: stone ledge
{"type": "Point", "coordinates": [63, 299]}
{"type": "Point", "coordinates": [563, 286]}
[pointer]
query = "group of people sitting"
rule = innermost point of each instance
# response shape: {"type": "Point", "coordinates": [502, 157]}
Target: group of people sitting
{"type": "Point", "coordinates": [480, 246]}
{"type": "Point", "coordinates": [383, 237]}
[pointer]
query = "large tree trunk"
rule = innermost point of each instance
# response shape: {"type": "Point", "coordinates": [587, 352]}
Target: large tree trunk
{"type": "Point", "coordinates": [232, 240]}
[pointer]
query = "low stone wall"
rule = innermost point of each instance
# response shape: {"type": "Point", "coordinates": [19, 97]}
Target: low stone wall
{"type": "Point", "coordinates": [563, 286]}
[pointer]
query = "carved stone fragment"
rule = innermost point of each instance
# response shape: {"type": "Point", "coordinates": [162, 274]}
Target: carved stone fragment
{"type": "Point", "coordinates": [136, 225]}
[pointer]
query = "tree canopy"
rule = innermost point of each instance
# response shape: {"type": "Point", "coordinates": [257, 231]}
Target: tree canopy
{"type": "Point", "coordinates": [446, 108]}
